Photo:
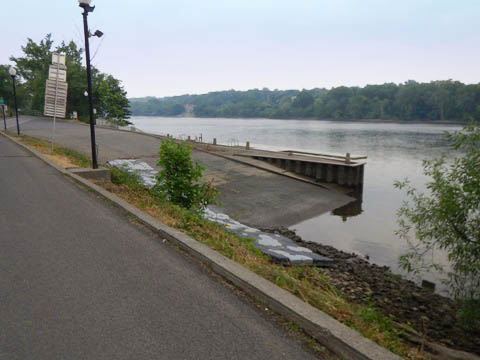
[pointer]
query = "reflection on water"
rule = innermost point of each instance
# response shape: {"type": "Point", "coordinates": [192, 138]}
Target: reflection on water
{"type": "Point", "coordinates": [352, 209]}
{"type": "Point", "coordinates": [395, 151]}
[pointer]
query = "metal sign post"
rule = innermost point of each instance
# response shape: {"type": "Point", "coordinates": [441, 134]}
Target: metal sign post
{"type": "Point", "coordinates": [56, 97]}
{"type": "Point", "coordinates": [2, 104]}
{"type": "Point", "coordinates": [4, 118]}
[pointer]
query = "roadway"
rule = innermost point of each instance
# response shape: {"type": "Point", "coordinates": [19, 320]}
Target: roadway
{"type": "Point", "coordinates": [78, 280]}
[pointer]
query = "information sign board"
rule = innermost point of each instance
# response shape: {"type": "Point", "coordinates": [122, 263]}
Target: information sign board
{"type": "Point", "coordinates": [56, 88]}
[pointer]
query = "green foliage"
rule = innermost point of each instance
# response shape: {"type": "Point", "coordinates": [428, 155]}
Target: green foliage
{"type": "Point", "coordinates": [437, 100]}
{"type": "Point", "coordinates": [448, 217]}
{"type": "Point", "coordinates": [6, 91]}
{"type": "Point", "coordinates": [110, 98]}
{"type": "Point", "coordinates": [76, 157]}
{"type": "Point", "coordinates": [125, 177]}
{"type": "Point", "coordinates": [179, 179]}
{"type": "Point", "coordinates": [32, 70]}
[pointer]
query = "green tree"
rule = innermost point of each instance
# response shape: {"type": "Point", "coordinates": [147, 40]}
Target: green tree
{"type": "Point", "coordinates": [448, 218]}
{"type": "Point", "coordinates": [110, 98]}
{"type": "Point", "coordinates": [303, 99]}
{"type": "Point", "coordinates": [179, 179]}
{"type": "Point", "coordinates": [449, 100]}
{"type": "Point", "coordinates": [6, 91]}
{"type": "Point", "coordinates": [33, 69]}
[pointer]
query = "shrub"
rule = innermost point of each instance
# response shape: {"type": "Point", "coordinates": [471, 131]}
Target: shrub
{"type": "Point", "coordinates": [179, 179]}
{"type": "Point", "coordinates": [448, 218]}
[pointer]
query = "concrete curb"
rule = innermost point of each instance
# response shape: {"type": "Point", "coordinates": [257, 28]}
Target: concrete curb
{"type": "Point", "coordinates": [335, 336]}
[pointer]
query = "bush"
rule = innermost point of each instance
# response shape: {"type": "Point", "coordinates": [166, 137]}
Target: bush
{"type": "Point", "coordinates": [448, 218]}
{"type": "Point", "coordinates": [179, 179]}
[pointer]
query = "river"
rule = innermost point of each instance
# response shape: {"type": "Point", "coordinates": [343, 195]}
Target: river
{"type": "Point", "coordinates": [395, 151]}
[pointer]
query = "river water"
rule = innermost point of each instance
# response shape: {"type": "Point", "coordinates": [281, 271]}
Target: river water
{"type": "Point", "coordinates": [395, 151]}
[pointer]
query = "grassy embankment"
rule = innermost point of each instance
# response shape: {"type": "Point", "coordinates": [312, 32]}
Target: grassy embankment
{"type": "Point", "coordinates": [309, 283]}
{"type": "Point", "coordinates": [61, 156]}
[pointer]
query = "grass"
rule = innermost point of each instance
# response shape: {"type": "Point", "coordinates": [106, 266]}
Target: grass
{"type": "Point", "coordinates": [309, 283]}
{"type": "Point", "coordinates": [63, 157]}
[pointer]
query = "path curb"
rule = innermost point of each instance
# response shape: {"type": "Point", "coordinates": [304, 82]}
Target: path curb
{"type": "Point", "coordinates": [335, 336]}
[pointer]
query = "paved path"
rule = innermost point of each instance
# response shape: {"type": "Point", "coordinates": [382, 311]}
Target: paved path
{"type": "Point", "coordinates": [79, 281]}
{"type": "Point", "coordinates": [252, 196]}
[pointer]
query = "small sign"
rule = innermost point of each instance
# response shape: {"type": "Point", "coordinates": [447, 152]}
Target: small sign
{"type": "Point", "coordinates": [58, 59]}
{"type": "Point", "coordinates": [54, 72]}
{"type": "Point", "coordinates": [2, 101]}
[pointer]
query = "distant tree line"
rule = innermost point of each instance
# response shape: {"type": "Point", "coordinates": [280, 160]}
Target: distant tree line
{"type": "Point", "coordinates": [436, 100]}
{"type": "Point", "coordinates": [110, 98]}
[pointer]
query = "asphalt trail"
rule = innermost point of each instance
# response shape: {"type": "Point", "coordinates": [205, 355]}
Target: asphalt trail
{"type": "Point", "coordinates": [79, 281]}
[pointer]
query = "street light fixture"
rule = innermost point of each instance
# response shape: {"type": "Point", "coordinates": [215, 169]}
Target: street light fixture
{"type": "Point", "coordinates": [13, 73]}
{"type": "Point", "coordinates": [85, 5]}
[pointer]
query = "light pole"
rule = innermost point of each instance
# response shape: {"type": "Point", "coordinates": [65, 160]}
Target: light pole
{"type": "Point", "coordinates": [85, 5]}
{"type": "Point", "coordinates": [13, 74]}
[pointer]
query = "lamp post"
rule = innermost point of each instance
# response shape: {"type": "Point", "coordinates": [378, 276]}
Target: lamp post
{"type": "Point", "coordinates": [13, 74]}
{"type": "Point", "coordinates": [85, 5]}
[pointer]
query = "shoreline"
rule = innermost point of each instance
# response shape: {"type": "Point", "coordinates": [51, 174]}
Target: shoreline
{"type": "Point", "coordinates": [365, 121]}
{"type": "Point", "coordinates": [431, 315]}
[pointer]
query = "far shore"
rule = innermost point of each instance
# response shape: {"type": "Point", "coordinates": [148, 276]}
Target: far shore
{"type": "Point", "coordinates": [379, 121]}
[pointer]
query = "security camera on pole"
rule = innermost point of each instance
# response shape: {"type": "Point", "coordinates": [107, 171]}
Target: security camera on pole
{"type": "Point", "coordinates": [85, 5]}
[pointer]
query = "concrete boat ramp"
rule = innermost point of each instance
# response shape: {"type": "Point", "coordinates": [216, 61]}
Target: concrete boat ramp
{"type": "Point", "coordinates": [278, 247]}
{"type": "Point", "coordinates": [255, 193]}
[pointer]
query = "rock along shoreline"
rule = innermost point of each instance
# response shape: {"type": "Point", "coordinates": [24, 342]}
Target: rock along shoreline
{"type": "Point", "coordinates": [432, 316]}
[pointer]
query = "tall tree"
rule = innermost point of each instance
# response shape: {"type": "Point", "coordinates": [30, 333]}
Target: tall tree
{"type": "Point", "coordinates": [110, 98]}
{"type": "Point", "coordinates": [33, 69]}
{"type": "Point", "coordinates": [113, 103]}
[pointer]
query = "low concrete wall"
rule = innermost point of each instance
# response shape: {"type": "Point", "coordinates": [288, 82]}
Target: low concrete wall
{"type": "Point", "coordinates": [100, 174]}
{"type": "Point", "coordinates": [341, 174]}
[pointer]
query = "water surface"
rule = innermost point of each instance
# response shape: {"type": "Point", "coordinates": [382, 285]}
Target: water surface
{"type": "Point", "coordinates": [395, 151]}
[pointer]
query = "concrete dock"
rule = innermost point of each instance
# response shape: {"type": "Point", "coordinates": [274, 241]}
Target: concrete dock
{"type": "Point", "coordinates": [344, 170]}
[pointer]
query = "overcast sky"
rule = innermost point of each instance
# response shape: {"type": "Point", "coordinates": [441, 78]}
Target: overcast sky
{"type": "Point", "coordinates": [173, 47]}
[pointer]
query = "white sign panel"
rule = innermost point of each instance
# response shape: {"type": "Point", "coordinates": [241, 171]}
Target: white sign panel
{"type": "Point", "coordinates": [58, 59]}
{"type": "Point", "coordinates": [56, 88]}
{"type": "Point", "coordinates": [55, 94]}
{"type": "Point", "coordinates": [53, 72]}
